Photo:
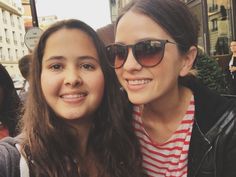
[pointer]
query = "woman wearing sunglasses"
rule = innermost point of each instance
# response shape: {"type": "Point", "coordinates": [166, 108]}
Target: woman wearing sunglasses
{"type": "Point", "coordinates": [184, 129]}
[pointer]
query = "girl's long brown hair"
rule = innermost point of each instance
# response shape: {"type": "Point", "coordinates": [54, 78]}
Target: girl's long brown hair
{"type": "Point", "coordinates": [48, 139]}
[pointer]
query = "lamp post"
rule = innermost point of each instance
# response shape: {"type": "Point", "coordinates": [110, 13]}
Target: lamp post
{"type": "Point", "coordinates": [34, 13]}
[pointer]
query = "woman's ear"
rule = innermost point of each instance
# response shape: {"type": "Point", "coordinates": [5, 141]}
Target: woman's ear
{"type": "Point", "coordinates": [189, 59]}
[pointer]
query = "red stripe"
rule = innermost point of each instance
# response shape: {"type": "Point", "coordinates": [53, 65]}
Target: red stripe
{"type": "Point", "coordinates": [160, 173]}
{"type": "Point", "coordinates": [154, 145]}
{"type": "Point", "coordinates": [176, 132]}
{"type": "Point", "coordinates": [182, 131]}
{"type": "Point", "coordinates": [190, 112]}
{"type": "Point", "coordinates": [187, 121]}
{"type": "Point", "coordinates": [141, 130]}
{"type": "Point", "coordinates": [165, 168]}
{"type": "Point", "coordinates": [164, 162]}
{"type": "Point", "coordinates": [162, 148]}
{"type": "Point", "coordinates": [137, 113]}
{"type": "Point", "coordinates": [174, 141]}
{"type": "Point", "coordinates": [164, 155]}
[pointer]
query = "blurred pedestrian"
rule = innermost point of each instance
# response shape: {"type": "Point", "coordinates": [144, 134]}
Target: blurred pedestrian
{"type": "Point", "coordinates": [9, 105]}
{"type": "Point", "coordinates": [24, 67]}
{"type": "Point", "coordinates": [106, 34]}
{"type": "Point", "coordinates": [184, 128]}
{"type": "Point", "coordinates": [232, 66]}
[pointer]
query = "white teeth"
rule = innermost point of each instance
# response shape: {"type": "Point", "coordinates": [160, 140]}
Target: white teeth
{"type": "Point", "coordinates": [73, 96]}
{"type": "Point", "coordinates": [137, 82]}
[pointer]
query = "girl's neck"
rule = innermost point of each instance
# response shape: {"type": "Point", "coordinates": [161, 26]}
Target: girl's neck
{"type": "Point", "coordinates": [82, 128]}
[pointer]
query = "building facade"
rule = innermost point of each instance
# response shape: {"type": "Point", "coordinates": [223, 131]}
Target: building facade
{"type": "Point", "coordinates": [217, 27]}
{"type": "Point", "coordinates": [12, 32]}
{"type": "Point", "coordinates": [217, 20]}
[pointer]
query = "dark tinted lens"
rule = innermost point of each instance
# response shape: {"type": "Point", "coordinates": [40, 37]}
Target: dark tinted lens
{"type": "Point", "coordinates": [117, 55]}
{"type": "Point", "coordinates": [149, 53]}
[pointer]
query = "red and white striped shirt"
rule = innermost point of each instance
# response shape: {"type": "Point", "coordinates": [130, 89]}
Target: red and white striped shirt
{"type": "Point", "coordinates": [168, 159]}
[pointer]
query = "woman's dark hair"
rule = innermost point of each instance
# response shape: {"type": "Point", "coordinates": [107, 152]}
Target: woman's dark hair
{"type": "Point", "coordinates": [10, 106]}
{"type": "Point", "coordinates": [173, 15]}
{"type": "Point", "coordinates": [53, 147]}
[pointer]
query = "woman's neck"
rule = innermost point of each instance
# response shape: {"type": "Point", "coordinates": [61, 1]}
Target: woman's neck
{"type": "Point", "coordinates": [168, 107]}
{"type": "Point", "coordinates": [161, 120]}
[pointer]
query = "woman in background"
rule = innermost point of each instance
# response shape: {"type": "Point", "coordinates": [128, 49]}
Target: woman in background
{"type": "Point", "coordinates": [9, 105]}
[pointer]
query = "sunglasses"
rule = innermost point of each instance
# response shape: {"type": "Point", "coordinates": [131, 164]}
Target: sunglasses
{"type": "Point", "coordinates": [148, 53]}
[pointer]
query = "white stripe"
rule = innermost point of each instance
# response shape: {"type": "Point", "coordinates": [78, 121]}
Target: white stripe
{"type": "Point", "coordinates": [24, 168]}
{"type": "Point", "coordinates": [160, 158]}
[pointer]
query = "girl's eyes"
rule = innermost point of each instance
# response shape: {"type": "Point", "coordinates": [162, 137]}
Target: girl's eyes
{"type": "Point", "coordinates": [87, 66]}
{"type": "Point", "coordinates": [83, 66]}
{"type": "Point", "coordinates": [55, 67]}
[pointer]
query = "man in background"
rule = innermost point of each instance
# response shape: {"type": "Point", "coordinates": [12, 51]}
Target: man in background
{"type": "Point", "coordinates": [24, 67]}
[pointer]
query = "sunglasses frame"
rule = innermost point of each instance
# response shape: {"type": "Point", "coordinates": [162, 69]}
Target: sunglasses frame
{"type": "Point", "coordinates": [132, 46]}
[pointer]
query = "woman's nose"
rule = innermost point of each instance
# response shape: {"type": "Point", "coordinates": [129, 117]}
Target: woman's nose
{"type": "Point", "coordinates": [131, 63]}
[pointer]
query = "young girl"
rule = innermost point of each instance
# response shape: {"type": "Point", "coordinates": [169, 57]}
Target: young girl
{"type": "Point", "coordinates": [74, 124]}
{"type": "Point", "coordinates": [184, 129]}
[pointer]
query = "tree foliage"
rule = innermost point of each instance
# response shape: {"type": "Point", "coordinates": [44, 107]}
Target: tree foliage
{"type": "Point", "coordinates": [211, 74]}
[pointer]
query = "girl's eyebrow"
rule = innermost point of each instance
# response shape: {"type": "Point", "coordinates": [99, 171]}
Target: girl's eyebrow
{"type": "Point", "coordinates": [55, 58]}
{"type": "Point", "coordinates": [87, 57]}
{"type": "Point", "coordinates": [84, 57]}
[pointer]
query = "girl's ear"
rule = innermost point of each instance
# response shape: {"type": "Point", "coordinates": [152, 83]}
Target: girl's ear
{"type": "Point", "coordinates": [189, 59]}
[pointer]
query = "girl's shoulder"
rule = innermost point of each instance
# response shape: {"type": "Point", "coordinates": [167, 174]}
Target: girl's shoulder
{"type": "Point", "coordinates": [9, 158]}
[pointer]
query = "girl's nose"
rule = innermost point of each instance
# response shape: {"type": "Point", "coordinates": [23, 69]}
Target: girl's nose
{"type": "Point", "coordinates": [73, 78]}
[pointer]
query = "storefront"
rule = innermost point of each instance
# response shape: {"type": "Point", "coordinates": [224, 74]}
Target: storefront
{"type": "Point", "coordinates": [217, 26]}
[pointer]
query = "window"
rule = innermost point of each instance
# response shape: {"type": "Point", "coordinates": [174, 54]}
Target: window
{"type": "Point", "coordinates": [10, 57]}
{"type": "Point", "coordinates": [219, 30]}
{"type": "Point", "coordinates": [17, 53]}
{"type": "Point", "coordinates": [7, 36]}
{"type": "Point", "coordinates": [214, 25]}
{"type": "Point", "coordinates": [4, 16]}
{"type": "Point", "coordinates": [12, 20]}
{"type": "Point", "coordinates": [14, 37]}
{"type": "Point", "coordinates": [19, 22]}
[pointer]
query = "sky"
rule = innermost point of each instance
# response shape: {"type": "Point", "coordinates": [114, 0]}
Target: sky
{"type": "Point", "coordinates": [95, 13]}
